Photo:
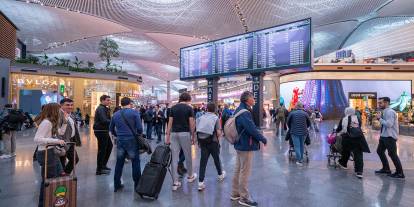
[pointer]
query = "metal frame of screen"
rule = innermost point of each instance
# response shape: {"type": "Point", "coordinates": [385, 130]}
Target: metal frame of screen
{"type": "Point", "coordinates": [301, 66]}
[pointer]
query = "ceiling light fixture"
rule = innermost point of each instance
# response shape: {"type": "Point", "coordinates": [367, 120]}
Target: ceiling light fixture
{"type": "Point", "coordinates": [239, 13]}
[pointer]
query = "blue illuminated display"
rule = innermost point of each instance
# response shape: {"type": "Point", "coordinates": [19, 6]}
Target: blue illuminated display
{"type": "Point", "coordinates": [282, 47]}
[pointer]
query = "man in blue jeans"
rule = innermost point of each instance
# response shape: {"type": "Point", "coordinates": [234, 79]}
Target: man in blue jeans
{"type": "Point", "coordinates": [126, 141]}
{"type": "Point", "coordinates": [298, 122]}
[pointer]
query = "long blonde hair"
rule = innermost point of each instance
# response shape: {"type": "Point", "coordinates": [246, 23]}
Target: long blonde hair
{"type": "Point", "coordinates": [51, 112]}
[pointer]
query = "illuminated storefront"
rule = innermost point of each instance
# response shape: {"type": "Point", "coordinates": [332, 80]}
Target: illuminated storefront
{"type": "Point", "coordinates": [29, 91]}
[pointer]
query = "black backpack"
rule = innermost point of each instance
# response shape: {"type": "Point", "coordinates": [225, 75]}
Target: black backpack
{"type": "Point", "coordinates": [148, 116]}
{"type": "Point", "coordinates": [15, 119]}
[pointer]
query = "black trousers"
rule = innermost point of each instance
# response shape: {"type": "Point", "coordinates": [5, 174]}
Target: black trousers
{"type": "Point", "coordinates": [68, 167]}
{"type": "Point", "coordinates": [104, 149]}
{"type": "Point", "coordinates": [389, 144]}
{"type": "Point", "coordinates": [212, 149]}
{"type": "Point", "coordinates": [164, 126]}
{"type": "Point", "coordinates": [352, 145]}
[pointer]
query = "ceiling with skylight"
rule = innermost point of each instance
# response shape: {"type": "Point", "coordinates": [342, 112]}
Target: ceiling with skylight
{"type": "Point", "coordinates": [150, 32]}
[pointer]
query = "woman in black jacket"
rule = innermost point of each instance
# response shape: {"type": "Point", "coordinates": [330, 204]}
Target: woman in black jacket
{"type": "Point", "coordinates": [353, 140]}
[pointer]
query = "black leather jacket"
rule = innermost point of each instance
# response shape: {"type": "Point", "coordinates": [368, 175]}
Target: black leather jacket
{"type": "Point", "coordinates": [102, 118]}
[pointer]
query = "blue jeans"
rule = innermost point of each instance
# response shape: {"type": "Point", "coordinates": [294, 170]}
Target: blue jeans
{"type": "Point", "coordinates": [127, 147]}
{"type": "Point", "coordinates": [149, 130]}
{"type": "Point", "coordinates": [299, 144]}
{"type": "Point", "coordinates": [158, 129]}
{"type": "Point", "coordinates": [54, 169]}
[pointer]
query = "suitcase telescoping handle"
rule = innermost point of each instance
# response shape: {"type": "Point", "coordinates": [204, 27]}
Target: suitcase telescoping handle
{"type": "Point", "coordinates": [54, 145]}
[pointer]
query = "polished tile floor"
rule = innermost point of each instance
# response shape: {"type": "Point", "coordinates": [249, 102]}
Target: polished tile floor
{"type": "Point", "coordinates": [275, 181]}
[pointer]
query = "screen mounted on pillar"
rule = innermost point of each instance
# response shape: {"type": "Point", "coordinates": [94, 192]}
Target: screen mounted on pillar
{"type": "Point", "coordinates": [281, 47]}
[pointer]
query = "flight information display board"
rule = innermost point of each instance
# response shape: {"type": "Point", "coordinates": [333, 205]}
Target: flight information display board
{"type": "Point", "coordinates": [282, 47]}
{"type": "Point", "coordinates": [234, 54]}
{"type": "Point", "coordinates": [197, 61]}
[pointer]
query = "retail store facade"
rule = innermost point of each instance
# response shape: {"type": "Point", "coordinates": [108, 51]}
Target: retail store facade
{"type": "Point", "coordinates": [32, 87]}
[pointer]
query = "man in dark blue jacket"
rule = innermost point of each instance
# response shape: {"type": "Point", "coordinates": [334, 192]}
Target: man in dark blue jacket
{"type": "Point", "coordinates": [248, 142]}
{"type": "Point", "coordinates": [126, 141]}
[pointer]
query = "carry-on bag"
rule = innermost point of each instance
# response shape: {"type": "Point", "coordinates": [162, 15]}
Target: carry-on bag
{"type": "Point", "coordinates": [150, 183]}
{"type": "Point", "coordinates": [60, 191]}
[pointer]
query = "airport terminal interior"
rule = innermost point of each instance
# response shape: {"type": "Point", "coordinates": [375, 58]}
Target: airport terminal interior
{"type": "Point", "coordinates": [299, 102]}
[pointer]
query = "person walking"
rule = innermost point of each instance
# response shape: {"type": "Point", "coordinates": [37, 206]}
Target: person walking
{"type": "Point", "coordinates": [47, 132]}
{"type": "Point", "coordinates": [249, 141]}
{"type": "Point", "coordinates": [316, 119]}
{"type": "Point", "coordinates": [281, 115]}
{"type": "Point", "coordinates": [353, 140]}
{"type": "Point", "coordinates": [298, 123]}
{"type": "Point", "coordinates": [149, 121]}
{"type": "Point", "coordinates": [125, 124]}
{"type": "Point", "coordinates": [158, 122]}
{"type": "Point", "coordinates": [71, 134]}
{"type": "Point", "coordinates": [11, 121]}
{"type": "Point", "coordinates": [101, 131]}
{"type": "Point", "coordinates": [181, 135]}
{"type": "Point", "coordinates": [208, 133]}
{"type": "Point", "coordinates": [388, 139]}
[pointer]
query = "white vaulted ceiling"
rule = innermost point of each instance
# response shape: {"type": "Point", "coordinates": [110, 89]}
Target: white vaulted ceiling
{"type": "Point", "coordinates": [150, 32]}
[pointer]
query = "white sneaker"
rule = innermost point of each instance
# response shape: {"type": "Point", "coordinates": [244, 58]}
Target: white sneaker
{"type": "Point", "coordinates": [192, 178]}
{"type": "Point", "coordinates": [300, 164]}
{"type": "Point", "coordinates": [201, 186]}
{"type": "Point", "coordinates": [176, 185]}
{"type": "Point", "coordinates": [341, 166]}
{"type": "Point", "coordinates": [222, 176]}
{"type": "Point", "coordinates": [5, 157]}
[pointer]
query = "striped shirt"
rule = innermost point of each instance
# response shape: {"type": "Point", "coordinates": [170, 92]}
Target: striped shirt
{"type": "Point", "coordinates": [298, 123]}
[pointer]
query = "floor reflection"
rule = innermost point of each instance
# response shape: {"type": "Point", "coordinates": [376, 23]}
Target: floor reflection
{"type": "Point", "coordinates": [275, 180]}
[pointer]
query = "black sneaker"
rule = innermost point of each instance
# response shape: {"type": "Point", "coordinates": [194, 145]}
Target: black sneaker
{"type": "Point", "coordinates": [382, 171]}
{"type": "Point", "coordinates": [247, 202]}
{"type": "Point", "coordinates": [119, 188]}
{"type": "Point", "coordinates": [397, 175]}
{"type": "Point", "coordinates": [359, 175]}
{"type": "Point", "coordinates": [103, 172]}
{"type": "Point", "coordinates": [106, 168]}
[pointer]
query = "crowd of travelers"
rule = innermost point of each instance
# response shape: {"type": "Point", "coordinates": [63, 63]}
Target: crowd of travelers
{"type": "Point", "coordinates": [181, 126]}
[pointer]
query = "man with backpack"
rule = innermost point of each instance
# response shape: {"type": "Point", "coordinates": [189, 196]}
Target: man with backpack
{"type": "Point", "coordinates": [208, 133]}
{"type": "Point", "coordinates": [248, 141]}
{"type": "Point", "coordinates": [281, 115]}
{"type": "Point", "coordinates": [149, 119]}
{"type": "Point", "coordinates": [11, 120]}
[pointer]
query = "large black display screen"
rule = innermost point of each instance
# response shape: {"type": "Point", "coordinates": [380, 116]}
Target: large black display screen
{"type": "Point", "coordinates": [234, 54]}
{"type": "Point", "coordinates": [197, 61]}
{"type": "Point", "coordinates": [281, 47]}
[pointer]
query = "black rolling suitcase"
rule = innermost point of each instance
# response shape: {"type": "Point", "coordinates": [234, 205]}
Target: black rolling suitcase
{"type": "Point", "coordinates": [152, 178]}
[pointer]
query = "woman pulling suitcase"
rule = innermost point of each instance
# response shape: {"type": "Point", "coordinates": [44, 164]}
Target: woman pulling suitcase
{"type": "Point", "coordinates": [47, 134]}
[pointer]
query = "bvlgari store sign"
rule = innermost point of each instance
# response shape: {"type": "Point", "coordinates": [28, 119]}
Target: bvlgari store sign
{"type": "Point", "coordinates": [35, 82]}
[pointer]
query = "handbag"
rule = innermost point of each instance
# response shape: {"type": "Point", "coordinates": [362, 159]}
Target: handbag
{"type": "Point", "coordinates": [59, 151]}
{"type": "Point", "coordinates": [143, 144]}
